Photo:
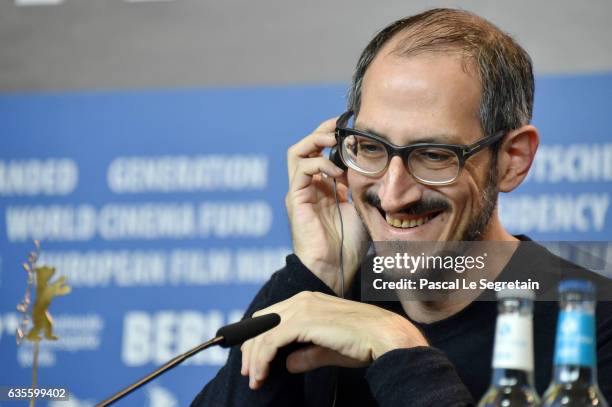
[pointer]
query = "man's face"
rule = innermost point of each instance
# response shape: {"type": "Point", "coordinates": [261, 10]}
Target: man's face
{"type": "Point", "coordinates": [407, 100]}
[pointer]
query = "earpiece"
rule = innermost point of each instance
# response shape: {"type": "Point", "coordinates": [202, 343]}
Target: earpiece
{"type": "Point", "coordinates": [334, 156]}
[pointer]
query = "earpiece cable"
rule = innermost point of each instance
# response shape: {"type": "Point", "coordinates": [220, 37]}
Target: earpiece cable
{"type": "Point", "coordinates": [341, 256]}
{"type": "Point", "coordinates": [341, 271]}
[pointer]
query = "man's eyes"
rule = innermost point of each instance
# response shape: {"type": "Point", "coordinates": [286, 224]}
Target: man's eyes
{"type": "Point", "coordinates": [434, 155]}
{"type": "Point", "coordinates": [373, 148]}
{"type": "Point", "coordinates": [370, 147]}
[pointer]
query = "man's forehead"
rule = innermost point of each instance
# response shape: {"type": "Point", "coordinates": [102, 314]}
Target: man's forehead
{"type": "Point", "coordinates": [449, 69]}
{"type": "Point", "coordinates": [430, 93]}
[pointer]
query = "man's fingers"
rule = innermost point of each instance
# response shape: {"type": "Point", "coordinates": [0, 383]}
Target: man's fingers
{"type": "Point", "coordinates": [314, 357]}
{"type": "Point", "coordinates": [322, 137]}
{"type": "Point", "coordinates": [259, 352]}
{"type": "Point", "coordinates": [327, 125]}
{"type": "Point", "coordinates": [262, 353]}
{"type": "Point", "coordinates": [244, 370]}
{"type": "Point", "coordinates": [308, 167]}
{"type": "Point", "coordinates": [253, 354]}
{"type": "Point", "coordinates": [313, 143]}
{"type": "Point", "coordinates": [310, 146]}
{"type": "Point", "coordinates": [306, 359]}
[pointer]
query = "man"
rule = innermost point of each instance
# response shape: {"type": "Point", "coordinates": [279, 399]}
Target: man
{"type": "Point", "coordinates": [445, 77]}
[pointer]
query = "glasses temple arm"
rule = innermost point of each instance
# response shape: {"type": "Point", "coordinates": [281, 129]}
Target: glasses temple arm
{"type": "Point", "coordinates": [479, 145]}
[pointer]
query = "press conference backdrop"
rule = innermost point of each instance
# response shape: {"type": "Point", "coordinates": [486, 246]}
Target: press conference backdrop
{"type": "Point", "coordinates": [146, 150]}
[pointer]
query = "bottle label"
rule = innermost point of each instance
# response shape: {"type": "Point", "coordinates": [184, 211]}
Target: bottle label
{"type": "Point", "coordinates": [575, 343]}
{"type": "Point", "coordinates": [513, 342]}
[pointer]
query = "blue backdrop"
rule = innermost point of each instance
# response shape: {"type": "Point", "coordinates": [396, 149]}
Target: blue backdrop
{"type": "Point", "coordinates": [165, 210]}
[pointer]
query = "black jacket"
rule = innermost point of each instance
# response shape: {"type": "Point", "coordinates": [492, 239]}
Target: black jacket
{"type": "Point", "coordinates": [454, 371]}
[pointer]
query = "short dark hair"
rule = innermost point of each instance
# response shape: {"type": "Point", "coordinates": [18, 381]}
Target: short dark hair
{"type": "Point", "coordinates": [504, 67]}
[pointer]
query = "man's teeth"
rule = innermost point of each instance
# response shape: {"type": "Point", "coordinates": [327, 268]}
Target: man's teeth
{"type": "Point", "coordinates": [398, 223]}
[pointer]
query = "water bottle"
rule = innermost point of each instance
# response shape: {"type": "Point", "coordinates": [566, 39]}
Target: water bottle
{"type": "Point", "coordinates": [574, 380]}
{"type": "Point", "coordinates": [512, 381]}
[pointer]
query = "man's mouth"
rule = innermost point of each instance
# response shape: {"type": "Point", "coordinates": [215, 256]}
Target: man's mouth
{"type": "Point", "coordinates": [409, 221]}
{"type": "Point", "coordinates": [413, 216]}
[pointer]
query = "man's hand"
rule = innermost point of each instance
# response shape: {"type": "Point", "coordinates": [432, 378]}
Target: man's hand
{"type": "Point", "coordinates": [341, 333]}
{"type": "Point", "coordinates": [315, 225]}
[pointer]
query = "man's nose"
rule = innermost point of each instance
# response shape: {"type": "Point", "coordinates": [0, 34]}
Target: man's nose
{"type": "Point", "coordinates": [399, 188]}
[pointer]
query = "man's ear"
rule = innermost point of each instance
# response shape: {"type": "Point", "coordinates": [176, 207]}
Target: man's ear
{"type": "Point", "coordinates": [515, 156]}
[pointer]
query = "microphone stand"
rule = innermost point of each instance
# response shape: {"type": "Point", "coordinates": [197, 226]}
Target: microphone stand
{"type": "Point", "coordinates": [164, 368]}
{"type": "Point", "coordinates": [229, 335]}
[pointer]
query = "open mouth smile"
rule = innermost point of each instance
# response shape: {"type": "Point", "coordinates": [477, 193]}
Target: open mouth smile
{"type": "Point", "coordinates": [404, 221]}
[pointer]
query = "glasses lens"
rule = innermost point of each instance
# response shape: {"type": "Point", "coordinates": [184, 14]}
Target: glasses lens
{"type": "Point", "coordinates": [436, 165]}
{"type": "Point", "coordinates": [365, 154]}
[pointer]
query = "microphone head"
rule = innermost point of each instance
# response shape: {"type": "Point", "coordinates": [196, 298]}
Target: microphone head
{"type": "Point", "coordinates": [236, 333]}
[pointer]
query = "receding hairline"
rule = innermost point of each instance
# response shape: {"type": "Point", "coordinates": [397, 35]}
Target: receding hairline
{"type": "Point", "coordinates": [448, 30]}
{"type": "Point", "coordinates": [397, 47]}
{"type": "Point", "coordinates": [503, 68]}
{"type": "Point", "coordinates": [423, 38]}
{"type": "Point", "coordinates": [394, 50]}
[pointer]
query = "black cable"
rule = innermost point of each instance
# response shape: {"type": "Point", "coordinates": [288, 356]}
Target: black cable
{"type": "Point", "coordinates": [341, 271]}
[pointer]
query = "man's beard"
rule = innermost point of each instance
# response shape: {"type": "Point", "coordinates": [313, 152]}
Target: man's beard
{"type": "Point", "coordinates": [476, 227]}
{"type": "Point", "coordinates": [488, 202]}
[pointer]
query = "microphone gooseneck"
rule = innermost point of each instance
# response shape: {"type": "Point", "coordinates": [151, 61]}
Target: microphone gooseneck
{"type": "Point", "coordinates": [227, 336]}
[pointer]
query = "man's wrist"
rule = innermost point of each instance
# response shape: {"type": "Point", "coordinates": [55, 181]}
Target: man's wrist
{"type": "Point", "coordinates": [302, 278]}
{"type": "Point", "coordinates": [324, 271]}
{"type": "Point", "coordinates": [402, 335]}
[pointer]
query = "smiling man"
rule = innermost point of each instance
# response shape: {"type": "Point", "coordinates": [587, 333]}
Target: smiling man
{"type": "Point", "coordinates": [441, 103]}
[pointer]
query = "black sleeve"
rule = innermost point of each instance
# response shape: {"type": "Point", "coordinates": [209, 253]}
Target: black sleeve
{"type": "Point", "coordinates": [421, 376]}
{"type": "Point", "coordinates": [229, 387]}
{"type": "Point", "coordinates": [604, 348]}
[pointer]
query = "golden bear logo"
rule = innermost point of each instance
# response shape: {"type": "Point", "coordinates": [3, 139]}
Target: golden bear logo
{"type": "Point", "coordinates": [45, 292]}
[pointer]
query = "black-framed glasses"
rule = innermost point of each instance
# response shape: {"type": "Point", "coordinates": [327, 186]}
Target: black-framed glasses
{"type": "Point", "coordinates": [429, 163]}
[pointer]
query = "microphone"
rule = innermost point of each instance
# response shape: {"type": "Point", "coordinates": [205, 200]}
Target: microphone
{"type": "Point", "coordinates": [226, 336]}
{"type": "Point", "coordinates": [244, 330]}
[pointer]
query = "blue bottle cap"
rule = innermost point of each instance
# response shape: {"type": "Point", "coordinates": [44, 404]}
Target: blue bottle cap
{"type": "Point", "coordinates": [575, 285]}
